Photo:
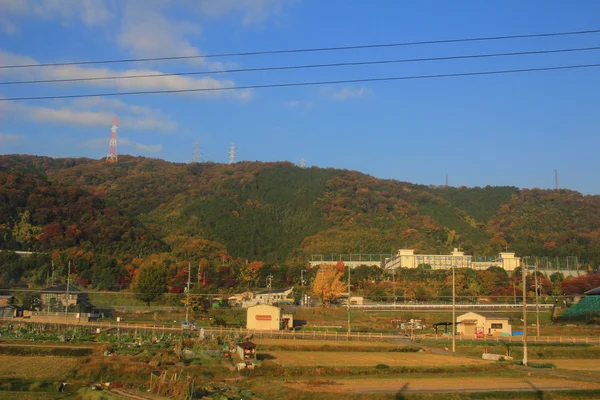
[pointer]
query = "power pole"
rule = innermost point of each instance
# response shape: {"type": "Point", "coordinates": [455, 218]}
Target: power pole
{"type": "Point", "coordinates": [394, 283]}
{"type": "Point", "coordinates": [232, 153]}
{"type": "Point", "coordinates": [524, 312]}
{"type": "Point", "coordinates": [537, 303]}
{"type": "Point", "coordinates": [302, 283]}
{"type": "Point", "coordinates": [446, 179]}
{"type": "Point", "coordinates": [348, 302]}
{"type": "Point", "coordinates": [196, 155]}
{"type": "Point", "coordinates": [453, 309]}
{"type": "Point", "coordinates": [187, 300]}
{"type": "Point", "coordinates": [67, 304]}
{"type": "Point", "coordinates": [555, 180]}
{"type": "Point", "coordinates": [112, 144]}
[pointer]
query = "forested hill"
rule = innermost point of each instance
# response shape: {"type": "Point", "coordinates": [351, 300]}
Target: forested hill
{"type": "Point", "coordinates": [115, 214]}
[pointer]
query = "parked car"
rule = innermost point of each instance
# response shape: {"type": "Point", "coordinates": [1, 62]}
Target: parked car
{"type": "Point", "coordinates": [189, 325]}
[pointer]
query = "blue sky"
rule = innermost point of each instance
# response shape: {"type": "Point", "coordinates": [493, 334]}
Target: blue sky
{"type": "Point", "coordinates": [511, 129]}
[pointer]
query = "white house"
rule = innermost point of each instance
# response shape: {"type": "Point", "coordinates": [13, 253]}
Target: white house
{"type": "Point", "coordinates": [473, 324]}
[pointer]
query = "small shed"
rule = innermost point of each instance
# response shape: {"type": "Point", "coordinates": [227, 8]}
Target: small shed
{"type": "Point", "coordinates": [6, 299]}
{"type": "Point", "coordinates": [473, 324]}
{"type": "Point", "coordinates": [264, 317]}
{"type": "Point", "coordinates": [246, 351]}
{"type": "Point", "coordinates": [8, 311]}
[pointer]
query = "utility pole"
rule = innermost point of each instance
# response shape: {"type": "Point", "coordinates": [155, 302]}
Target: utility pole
{"type": "Point", "coordinates": [537, 304]}
{"type": "Point", "coordinates": [187, 300]}
{"type": "Point", "coordinates": [555, 180]}
{"type": "Point", "coordinates": [302, 283]}
{"type": "Point", "coordinates": [394, 283]}
{"type": "Point", "coordinates": [523, 272]}
{"type": "Point", "coordinates": [453, 308]}
{"type": "Point", "coordinates": [67, 304]}
{"type": "Point", "coordinates": [348, 302]}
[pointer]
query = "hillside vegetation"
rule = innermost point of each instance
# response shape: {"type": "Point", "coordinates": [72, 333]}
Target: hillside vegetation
{"type": "Point", "coordinates": [116, 217]}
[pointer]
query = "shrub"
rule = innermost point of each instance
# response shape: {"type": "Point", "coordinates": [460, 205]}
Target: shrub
{"type": "Point", "coordinates": [382, 366]}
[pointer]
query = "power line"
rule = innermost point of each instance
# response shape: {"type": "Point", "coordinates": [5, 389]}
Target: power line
{"type": "Point", "coordinates": [308, 50]}
{"type": "Point", "coordinates": [307, 66]}
{"type": "Point", "coordinates": [298, 84]}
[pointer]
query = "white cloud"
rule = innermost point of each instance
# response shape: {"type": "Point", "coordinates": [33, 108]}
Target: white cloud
{"type": "Point", "coordinates": [146, 31]}
{"type": "Point", "coordinates": [252, 11]}
{"type": "Point", "coordinates": [347, 93]}
{"type": "Point", "coordinates": [133, 84]}
{"type": "Point", "coordinates": [95, 112]}
{"type": "Point", "coordinates": [122, 142]}
{"type": "Point", "coordinates": [7, 138]}
{"type": "Point", "coordinates": [90, 12]}
{"type": "Point", "coordinates": [297, 104]}
{"type": "Point", "coordinates": [8, 27]}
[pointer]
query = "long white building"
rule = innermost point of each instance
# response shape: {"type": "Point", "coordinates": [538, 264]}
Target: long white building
{"type": "Point", "coordinates": [406, 258]}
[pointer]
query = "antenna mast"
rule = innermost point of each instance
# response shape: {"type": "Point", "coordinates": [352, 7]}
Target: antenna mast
{"type": "Point", "coordinates": [555, 179]}
{"type": "Point", "coordinates": [232, 153]}
{"type": "Point", "coordinates": [112, 145]}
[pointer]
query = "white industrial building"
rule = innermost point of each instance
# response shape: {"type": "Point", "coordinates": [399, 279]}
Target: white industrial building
{"type": "Point", "coordinates": [406, 258]}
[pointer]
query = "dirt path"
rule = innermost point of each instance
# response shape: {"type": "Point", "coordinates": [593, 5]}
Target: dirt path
{"type": "Point", "coordinates": [441, 385]}
{"type": "Point", "coordinates": [136, 396]}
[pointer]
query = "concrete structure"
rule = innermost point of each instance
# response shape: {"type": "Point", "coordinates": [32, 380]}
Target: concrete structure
{"type": "Point", "coordinates": [264, 317]}
{"type": "Point", "coordinates": [473, 324]}
{"type": "Point", "coordinates": [246, 351]}
{"type": "Point", "coordinates": [349, 260]}
{"type": "Point", "coordinates": [406, 258]}
{"type": "Point", "coordinates": [267, 297]}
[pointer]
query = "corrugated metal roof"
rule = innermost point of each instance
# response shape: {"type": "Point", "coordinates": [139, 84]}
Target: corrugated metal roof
{"type": "Point", "coordinates": [593, 292]}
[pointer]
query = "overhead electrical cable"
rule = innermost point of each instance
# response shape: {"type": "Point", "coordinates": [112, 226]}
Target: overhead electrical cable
{"type": "Point", "coordinates": [298, 84]}
{"type": "Point", "coordinates": [294, 67]}
{"type": "Point", "coordinates": [308, 50]}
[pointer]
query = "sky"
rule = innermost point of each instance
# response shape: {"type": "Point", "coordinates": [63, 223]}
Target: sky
{"type": "Point", "coordinates": [510, 129]}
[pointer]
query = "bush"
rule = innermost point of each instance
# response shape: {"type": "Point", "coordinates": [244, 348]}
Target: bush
{"type": "Point", "coordinates": [382, 366]}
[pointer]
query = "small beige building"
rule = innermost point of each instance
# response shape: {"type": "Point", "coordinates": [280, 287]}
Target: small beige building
{"type": "Point", "coordinates": [264, 317]}
{"type": "Point", "coordinates": [473, 324]}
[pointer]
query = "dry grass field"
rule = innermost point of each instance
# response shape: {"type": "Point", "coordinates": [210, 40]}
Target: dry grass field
{"type": "Point", "coordinates": [367, 359]}
{"type": "Point", "coordinates": [442, 384]}
{"type": "Point", "coordinates": [577, 364]}
{"type": "Point", "coordinates": [36, 367]}
{"type": "Point", "coordinates": [317, 343]}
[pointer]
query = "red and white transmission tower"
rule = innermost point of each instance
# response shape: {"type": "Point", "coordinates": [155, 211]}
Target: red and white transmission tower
{"type": "Point", "coordinates": [112, 145]}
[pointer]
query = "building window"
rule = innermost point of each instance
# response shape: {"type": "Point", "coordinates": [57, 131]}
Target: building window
{"type": "Point", "coordinates": [496, 326]}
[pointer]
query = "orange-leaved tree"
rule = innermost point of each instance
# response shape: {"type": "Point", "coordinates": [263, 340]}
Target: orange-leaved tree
{"type": "Point", "coordinates": [328, 283]}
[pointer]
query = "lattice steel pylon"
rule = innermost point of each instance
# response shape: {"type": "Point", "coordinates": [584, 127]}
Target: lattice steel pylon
{"type": "Point", "coordinates": [232, 153]}
{"type": "Point", "coordinates": [112, 145]}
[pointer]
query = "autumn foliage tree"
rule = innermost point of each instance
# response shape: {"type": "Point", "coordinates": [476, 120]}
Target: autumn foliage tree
{"type": "Point", "coordinates": [328, 284]}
